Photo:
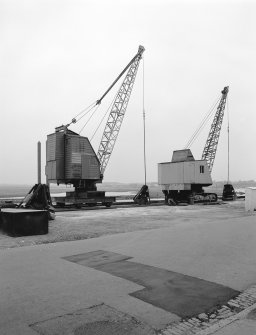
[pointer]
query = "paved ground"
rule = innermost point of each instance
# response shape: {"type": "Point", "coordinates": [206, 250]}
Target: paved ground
{"type": "Point", "coordinates": [95, 222]}
{"type": "Point", "coordinates": [42, 291]}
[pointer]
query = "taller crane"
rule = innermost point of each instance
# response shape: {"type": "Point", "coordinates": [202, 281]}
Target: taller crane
{"type": "Point", "coordinates": [71, 158]}
{"type": "Point", "coordinates": [183, 178]}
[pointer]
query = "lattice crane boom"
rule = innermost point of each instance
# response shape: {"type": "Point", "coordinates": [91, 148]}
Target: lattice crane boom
{"type": "Point", "coordinates": [118, 110]}
{"type": "Point", "coordinates": [210, 148]}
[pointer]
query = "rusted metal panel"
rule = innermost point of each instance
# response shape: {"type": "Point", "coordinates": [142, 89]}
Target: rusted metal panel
{"type": "Point", "coordinates": [60, 169]}
{"type": "Point", "coordinates": [73, 165]}
{"type": "Point", "coordinates": [50, 170]}
{"type": "Point", "coordinates": [69, 157]}
{"type": "Point", "coordinates": [85, 166]}
{"type": "Point", "coordinates": [59, 146]}
{"type": "Point", "coordinates": [55, 156]}
{"type": "Point", "coordinates": [76, 158]}
{"type": "Point", "coordinates": [54, 170]}
{"type": "Point", "coordinates": [51, 147]}
{"type": "Point", "coordinates": [90, 167]}
{"type": "Point", "coordinates": [55, 147]}
{"type": "Point", "coordinates": [94, 171]}
{"type": "Point", "coordinates": [81, 161]}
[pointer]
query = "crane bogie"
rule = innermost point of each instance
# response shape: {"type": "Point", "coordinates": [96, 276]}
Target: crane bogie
{"type": "Point", "coordinates": [82, 199]}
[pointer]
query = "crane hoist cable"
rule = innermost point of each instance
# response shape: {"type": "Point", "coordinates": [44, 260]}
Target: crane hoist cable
{"type": "Point", "coordinates": [93, 113]}
{"type": "Point", "coordinates": [144, 122]}
{"type": "Point", "coordinates": [85, 111]}
{"type": "Point", "coordinates": [98, 102]}
{"type": "Point", "coordinates": [95, 106]}
{"type": "Point", "coordinates": [83, 115]}
{"type": "Point", "coordinates": [228, 193]}
{"type": "Point", "coordinates": [142, 197]}
{"type": "Point", "coordinates": [228, 139]}
{"type": "Point", "coordinates": [103, 117]}
{"type": "Point", "coordinates": [202, 124]}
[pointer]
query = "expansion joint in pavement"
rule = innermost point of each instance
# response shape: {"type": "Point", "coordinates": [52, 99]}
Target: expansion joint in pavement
{"type": "Point", "coordinates": [208, 323]}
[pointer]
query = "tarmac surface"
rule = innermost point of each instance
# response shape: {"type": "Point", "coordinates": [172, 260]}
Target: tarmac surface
{"type": "Point", "coordinates": [133, 282]}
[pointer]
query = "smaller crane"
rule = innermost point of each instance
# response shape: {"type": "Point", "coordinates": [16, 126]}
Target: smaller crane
{"type": "Point", "coordinates": [211, 144]}
{"type": "Point", "coordinates": [183, 178]}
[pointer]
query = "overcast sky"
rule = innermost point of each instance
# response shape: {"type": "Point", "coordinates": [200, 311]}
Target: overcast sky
{"type": "Point", "coordinates": [59, 56]}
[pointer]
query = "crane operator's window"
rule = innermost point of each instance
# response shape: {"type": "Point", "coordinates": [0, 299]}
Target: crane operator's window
{"type": "Point", "coordinates": [201, 169]}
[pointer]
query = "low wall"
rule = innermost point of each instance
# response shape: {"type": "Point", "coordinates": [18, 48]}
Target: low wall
{"type": "Point", "coordinates": [250, 199]}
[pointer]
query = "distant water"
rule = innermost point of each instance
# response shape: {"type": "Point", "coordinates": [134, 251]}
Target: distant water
{"type": "Point", "coordinates": [13, 191]}
{"type": "Point", "coordinates": [19, 191]}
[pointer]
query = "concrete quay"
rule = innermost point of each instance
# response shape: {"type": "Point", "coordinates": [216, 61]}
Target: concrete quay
{"type": "Point", "coordinates": [148, 281]}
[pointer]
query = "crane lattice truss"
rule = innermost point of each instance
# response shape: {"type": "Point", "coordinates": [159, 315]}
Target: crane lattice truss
{"type": "Point", "coordinates": [214, 134]}
{"type": "Point", "coordinates": [117, 113]}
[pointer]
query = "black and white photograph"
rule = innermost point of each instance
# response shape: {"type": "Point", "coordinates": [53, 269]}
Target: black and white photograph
{"type": "Point", "coordinates": [128, 168]}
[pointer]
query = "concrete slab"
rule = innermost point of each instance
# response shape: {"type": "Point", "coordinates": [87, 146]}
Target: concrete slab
{"type": "Point", "coordinates": [182, 295]}
{"type": "Point", "coordinates": [37, 284]}
{"type": "Point", "coordinates": [95, 320]}
{"type": "Point", "coordinates": [17, 328]}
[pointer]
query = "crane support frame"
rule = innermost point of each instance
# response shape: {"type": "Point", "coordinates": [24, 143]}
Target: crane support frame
{"type": "Point", "coordinates": [117, 112]}
{"type": "Point", "coordinates": [211, 144]}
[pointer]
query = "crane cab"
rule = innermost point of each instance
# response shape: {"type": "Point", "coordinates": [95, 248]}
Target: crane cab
{"type": "Point", "coordinates": [70, 159]}
{"type": "Point", "coordinates": [184, 177]}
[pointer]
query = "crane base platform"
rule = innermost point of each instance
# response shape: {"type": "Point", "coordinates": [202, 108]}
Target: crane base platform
{"type": "Point", "coordinates": [80, 199]}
